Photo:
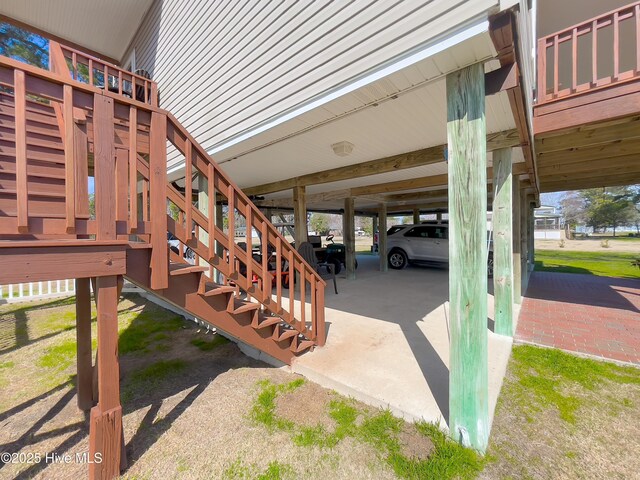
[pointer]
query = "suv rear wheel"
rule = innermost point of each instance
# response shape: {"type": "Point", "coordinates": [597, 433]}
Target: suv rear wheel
{"type": "Point", "coordinates": [397, 259]}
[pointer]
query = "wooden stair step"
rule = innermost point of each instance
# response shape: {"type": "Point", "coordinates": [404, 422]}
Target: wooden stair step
{"type": "Point", "coordinates": [185, 268]}
{"type": "Point", "coordinates": [212, 289]}
{"type": "Point", "coordinates": [303, 345]}
{"type": "Point", "coordinates": [265, 321]}
{"type": "Point", "coordinates": [239, 306]}
{"type": "Point", "coordinates": [282, 331]}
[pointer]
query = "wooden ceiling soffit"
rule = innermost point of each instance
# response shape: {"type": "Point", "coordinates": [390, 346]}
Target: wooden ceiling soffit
{"type": "Point", "coordinates": [418, 158]}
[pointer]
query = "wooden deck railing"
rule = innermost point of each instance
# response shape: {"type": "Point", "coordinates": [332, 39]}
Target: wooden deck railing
{"type": "Point", "coordinates": [563, 49]}
{"type": "Point", "coordinates": [100, 73]}
{"type": "Point", "coordinates": [129, 141]}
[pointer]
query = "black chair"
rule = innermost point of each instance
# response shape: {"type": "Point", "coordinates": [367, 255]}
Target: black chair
{"type": "Point", "coordinates": [306, 251]}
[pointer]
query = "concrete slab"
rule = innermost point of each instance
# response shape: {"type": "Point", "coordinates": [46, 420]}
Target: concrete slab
{"type": "Point", "coordinates": [388, 342]}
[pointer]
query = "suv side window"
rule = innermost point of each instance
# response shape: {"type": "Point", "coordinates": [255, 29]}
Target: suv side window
{"type": "Point", "coordinates": [436, 232]}
{"type": "Point", "coordinates": [420, 232]}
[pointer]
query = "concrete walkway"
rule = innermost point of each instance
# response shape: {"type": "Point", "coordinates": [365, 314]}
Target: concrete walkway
{"type": "Point", "coordinates": [388, 342]}
{"type": "Point", "coordinates": [583, 313]}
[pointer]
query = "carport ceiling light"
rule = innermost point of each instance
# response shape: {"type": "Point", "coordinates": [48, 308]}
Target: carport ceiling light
{"type": "Point", "coordinates": [342, 149]}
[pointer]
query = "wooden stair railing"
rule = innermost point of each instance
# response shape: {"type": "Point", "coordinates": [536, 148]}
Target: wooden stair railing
{"type": "Point", "coordinates": [123, 144]}
{"type": "Point", "coordinates": [553, 85]}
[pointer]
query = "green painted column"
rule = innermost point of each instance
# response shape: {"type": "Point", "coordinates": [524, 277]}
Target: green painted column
{"type": "Point", "coordinates": [517, 265]}
{"type": "Point", "coordinates": [468, 380]}
{"type": "Point", "coordinates": [502, 242]}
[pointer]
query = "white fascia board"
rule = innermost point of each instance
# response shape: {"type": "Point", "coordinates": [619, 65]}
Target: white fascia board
{"type": "Point", "coordinates": [453, 38]}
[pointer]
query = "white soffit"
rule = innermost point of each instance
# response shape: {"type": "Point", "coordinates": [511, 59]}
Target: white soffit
{"type": "Point", "coordinates": [105, 26]}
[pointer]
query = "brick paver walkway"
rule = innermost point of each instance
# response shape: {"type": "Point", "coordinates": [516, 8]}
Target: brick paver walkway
{"type": "Point", "coordinates": [583, 313]}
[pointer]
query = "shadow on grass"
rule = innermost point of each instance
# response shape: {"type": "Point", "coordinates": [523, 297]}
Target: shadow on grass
{"type": "Point", "coordinates": [18, 316]}
{"type": "Point", "coordinates": [148, 383]}
{"type": "Point", "coordinates": [540, 266]}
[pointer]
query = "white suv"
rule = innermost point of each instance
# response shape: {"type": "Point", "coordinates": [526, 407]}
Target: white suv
{"type": "Point", "coordinates": [426, 243]}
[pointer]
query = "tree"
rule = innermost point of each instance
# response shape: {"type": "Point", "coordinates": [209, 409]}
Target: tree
{"type": "Point", "coordinates": [573, 209]}
{"type": "Point", "coordinates": [608, 208]}
{"type": "Point", "coordinates": [22, 45]}
{"type": "Point", "coordinates": [319, 223]}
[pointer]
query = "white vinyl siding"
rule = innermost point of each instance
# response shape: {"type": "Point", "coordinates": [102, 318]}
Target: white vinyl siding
{"type": "Point", "coordinates": [224, 67]}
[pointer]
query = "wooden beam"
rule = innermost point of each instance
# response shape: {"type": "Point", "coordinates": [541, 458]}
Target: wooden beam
{"type": "Point", "coordinates": [422, 182]}
{"type": "Point", "coordinates": [300, 215]}
{"type": "Point", "coordinates": [382, 237]}
{"type": "Point", "coordinates": [502, 243]}
{"type": "Point", "coordinates": [504, 78]}
{"type": "Point", "coordinates": [413, 159]}
{"type": "Point", "coordinates": [105, 427]}
{"type": "Point", "coordinates": [584, 157]}
{"type": "Point", "coordinates": [468, 380]}
{"type": "Point", "coordinates": [349, 238]}
{"type": "Point", "coordinates": [589, 136]}
{"type": "Point", "coordinates": [84, 360]}
{"type": "Point", "coordinates": [613, 180]}
{"type": "Point", "coordinates": [22, 190]}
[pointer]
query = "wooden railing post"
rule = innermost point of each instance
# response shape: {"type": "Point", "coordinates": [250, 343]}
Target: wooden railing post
{"type": "Point", "coordinates": [19, 89]}
{"type": "Point", "coordinates": [158, 201]}
{"type": "Point", "coordinates": [104, 167]}
{"type": "Point", "coordinates": [69, 160]}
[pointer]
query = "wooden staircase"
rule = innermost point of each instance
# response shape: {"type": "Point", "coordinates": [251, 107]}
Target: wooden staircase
{"type": "Point", "coordinates": [58, 130]}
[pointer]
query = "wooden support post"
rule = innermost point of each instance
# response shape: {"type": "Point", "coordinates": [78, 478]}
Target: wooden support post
{"type": "Point", "coordinates": [158, 201]}
{"type": "Point", "coordinates": [300, 215]}
{"type": "Point", "coordinates": [382, 237]}
{"type": "Point", "coordinates": [105, 428]}
{"type": "Point", "coordinates": [502, 242]}
{"type": "Point", "coordinates": [531, 231]}
{"type": "Point", "coordinates": [524, 244]}
{"type": "Point", "coordinates": [374, 229]}
{"type": "Point", "coordinates": [84, 358]}
{"type": "Point", "coordinates": [416, 216]}
{"type": "Point", "coordinates": [348, 236]}
{"type": "Point", "coordinates": [439, 216]}
{"type": "Point", "coordinates": [468, 380]}
{"type": "Point", "coordinates": [104, 168]}
{"type": "Point", "coordinates": [219, 224]}
{"type": "Point", "coordinates": [517, 267]}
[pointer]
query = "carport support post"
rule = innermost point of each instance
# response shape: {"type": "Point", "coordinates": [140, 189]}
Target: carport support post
{"type": "Point", "coordinates": [468, 379]}
{"type": "Point", "coordinates": [374, 228]}
{"type": "Point", "coordinates": [517, 271]}
{"type": "Point", "coordinates": [348, 234]}
{"type": "Point", "coordinates": [416, 216]}
{"type": "Point", "coordinates": [84, 358]}
{"type": "Point", "coordinates": [382, 237]}
{"type": "Point", "coordinates": [502, 242]}
{"type": "Point", "coordinates": [532, 228]}
{"type": "Point", "coordinates": [524, 242]}
{"type": "Point", "coordinates": [299, 215]}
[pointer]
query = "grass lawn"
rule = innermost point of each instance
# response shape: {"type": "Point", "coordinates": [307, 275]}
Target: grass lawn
{"type": "Point", "coordinates": [605, 264]}
{"type": "Point", "coordinates": [196, 408]}
{"type": "Point", "coordinates": [564, 417]}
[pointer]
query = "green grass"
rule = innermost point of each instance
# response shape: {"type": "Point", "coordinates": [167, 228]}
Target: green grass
{"type": "Point", "coordinates": [274, 471]}
{"type": "Point", "coordinates": [145, 328]}
{"type": "Point", "coordinates": [605, 263]}
{"type": "Point", "coordinates": [147, 378]}
{"type": "Point", "coordinates": [545, 377]}
{"type": "Point", "coordinates": [206, 345]}
{"type": "Point", "coordinates": [59, 356]}
{"type": "Point", "coordinates": [380, 429]}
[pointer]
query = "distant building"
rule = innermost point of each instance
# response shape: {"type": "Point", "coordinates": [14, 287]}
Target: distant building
{"type": "Point", "coordinates": [548, 223]}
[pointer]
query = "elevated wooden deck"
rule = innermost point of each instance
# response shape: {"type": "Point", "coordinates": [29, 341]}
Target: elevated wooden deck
{"type": "Point", "coordinates": [587, 118]}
